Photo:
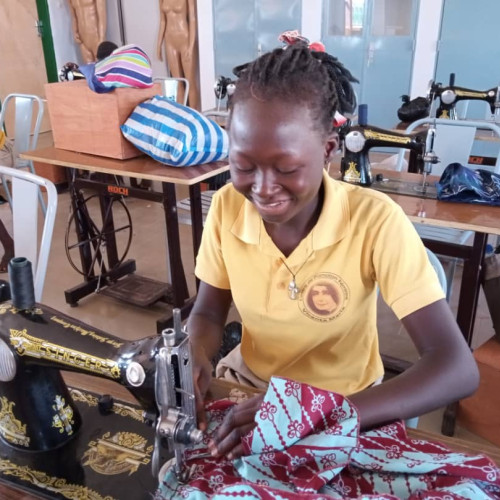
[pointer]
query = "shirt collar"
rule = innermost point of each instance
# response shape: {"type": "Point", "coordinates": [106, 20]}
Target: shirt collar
{"type": "Point", "coordinates": [332, 225]}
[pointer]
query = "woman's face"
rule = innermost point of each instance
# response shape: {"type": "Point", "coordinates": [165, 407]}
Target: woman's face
{"type": "Point", "coordinates": [322, 298]}
{"type": "Point", "coordinates": [277, 157]}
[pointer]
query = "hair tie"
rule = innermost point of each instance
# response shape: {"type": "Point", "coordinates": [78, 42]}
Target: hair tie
{"type": "Point", "coordinates": [293, 37]}
{"type": "Point", "coordinates": [339, 119]}
{"type": "Point", "coordinates": [317, 46]}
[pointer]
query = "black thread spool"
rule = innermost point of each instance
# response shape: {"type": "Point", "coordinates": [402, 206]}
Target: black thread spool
{"type": "Point", "coordinates": [21, 283]}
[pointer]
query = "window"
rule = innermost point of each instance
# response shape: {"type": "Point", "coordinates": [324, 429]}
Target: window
{"type": "Point", "coordinates": [346, 17]}
{"type": "Point", "coordinates": [392, 17]}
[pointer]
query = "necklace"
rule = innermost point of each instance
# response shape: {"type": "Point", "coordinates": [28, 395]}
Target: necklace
{"type": "Point", "coordinates": [293, 289]}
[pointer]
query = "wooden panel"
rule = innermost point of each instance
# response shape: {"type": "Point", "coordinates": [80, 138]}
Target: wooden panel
{"type": "Point", "coordinates": [88, 122]}
{"type": "Point", "coordinates": [52, 172]}
{"type": "Point", "coordinates": [22, 67]}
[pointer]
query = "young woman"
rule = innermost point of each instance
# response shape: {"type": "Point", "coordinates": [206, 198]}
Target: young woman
{"type": "Point", "coordinates": [282, 231]}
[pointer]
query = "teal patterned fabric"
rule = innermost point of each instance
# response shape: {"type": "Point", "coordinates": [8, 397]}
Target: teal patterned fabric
{"type": "Point", "coordinates": [307, 444]}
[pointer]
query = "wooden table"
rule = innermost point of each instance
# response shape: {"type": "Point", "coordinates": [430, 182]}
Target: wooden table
{"type": "Point", "coordinates": [220, 389]}
{"type": "Point", "coordinates": [106, 182]}
{"type": "Point", "coordinates": [482, 220]}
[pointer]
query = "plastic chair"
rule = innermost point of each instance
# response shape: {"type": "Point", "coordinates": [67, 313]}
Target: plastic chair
{"type": "Point", "coordinates": [438, 267]}
{"type": "Point", "coordinates": [25, 133]}
{"type": "Point", "coordinates": [170, 87]}
{"type": "Point", "coordinates": [453, 142]}
{"type": "Point", "coordinates": [25, 192]}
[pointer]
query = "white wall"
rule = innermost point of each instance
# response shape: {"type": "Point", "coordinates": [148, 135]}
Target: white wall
{"type": "Point", "coordinates": [311, 19]}
{"type": "Point", "coordinates": [206, 53]}
{"type": "Point", "coordinates": [424, 60]}
{"type": "Point", "coordinates": [113, 32]}
{"type": "Point", "coordinates": [141, 19]}
{"type": "Point", "coordinates": [65, 48]}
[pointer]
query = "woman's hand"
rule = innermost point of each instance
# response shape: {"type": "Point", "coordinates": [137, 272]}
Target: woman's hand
{"type": "Point", "coordinates": [202, 374]}
{"type": "Point", "coordinates": [237, 423]}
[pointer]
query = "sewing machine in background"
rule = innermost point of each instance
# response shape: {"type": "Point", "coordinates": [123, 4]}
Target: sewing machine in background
{"type": "Point", "coordinates": [224, 87]}
{"type": "Point", "coordinates": [450, 95]}
{"type": "Point", "coordinates": [358, 140]}
{"type": "Point", "coordinates": [46, 441]}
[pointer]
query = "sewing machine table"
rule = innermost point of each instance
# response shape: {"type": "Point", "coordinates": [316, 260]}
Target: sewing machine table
{"type": "Point", "coordinates": [104, 181]}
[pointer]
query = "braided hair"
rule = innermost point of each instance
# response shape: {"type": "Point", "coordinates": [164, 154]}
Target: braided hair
{"type": "Point", "coordinates": [298, 74]}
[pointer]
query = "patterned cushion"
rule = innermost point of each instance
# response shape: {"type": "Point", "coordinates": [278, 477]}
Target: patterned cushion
{"type": "Point", "coordinates": [127, 66]}
{"type": "Point", "coordinates": [175, 134]}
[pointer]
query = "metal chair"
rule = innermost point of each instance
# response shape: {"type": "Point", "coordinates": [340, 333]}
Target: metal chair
{"type": "Point", "coordinates": [25, 193]}
{"type": "Point", "coordinates": [453, 142]}
{"type": "Point", "coordinates": [28, 114]}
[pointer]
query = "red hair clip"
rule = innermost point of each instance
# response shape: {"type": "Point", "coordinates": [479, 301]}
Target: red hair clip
{"type": "Point", "coordinates": [317, 46]}
{"type": "Point", "coordinates": [339, 119]}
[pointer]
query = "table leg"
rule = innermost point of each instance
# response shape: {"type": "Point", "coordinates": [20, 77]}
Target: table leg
{"type": "Point", "coordinates": [81, 224]}
{"type": "Point", "coordinates": [466, 314]}
{"type": "Point", "coordinates": [108, 229]}
{"type": "Point", "coordinates": [179, 284]}
{"type": "Point", "coordinates": [196, 216]}
{"type": "Point", "coordinates": [196, 220]}
{"type": "Point", "coordinates": [470, 287]}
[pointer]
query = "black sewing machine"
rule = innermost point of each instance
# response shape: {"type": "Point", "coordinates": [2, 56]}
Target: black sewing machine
{"type": "Point", "coordinates": [360, 139]}
{"type": "Point", "coordinates": [224, 87]}
{"type": "Point", "coordinates": [450, 95]}
{"type": "Point", "coordinates": [69, 72]}
{"type": "Point", "coordinates": [66, 443]}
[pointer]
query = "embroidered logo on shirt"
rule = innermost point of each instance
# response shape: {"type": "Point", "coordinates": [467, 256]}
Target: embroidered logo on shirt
{"type": "Point", "coordinates": [324, 297]}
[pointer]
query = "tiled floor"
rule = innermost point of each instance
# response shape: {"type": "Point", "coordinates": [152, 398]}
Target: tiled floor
{"type": "Point", "coordinates": [148, 249]}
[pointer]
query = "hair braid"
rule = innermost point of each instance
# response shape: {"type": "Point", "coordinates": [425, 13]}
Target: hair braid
{"type": "Point", "coordinates": [342, 78]}
{"type": "Point", "coordinates": [298, 74]}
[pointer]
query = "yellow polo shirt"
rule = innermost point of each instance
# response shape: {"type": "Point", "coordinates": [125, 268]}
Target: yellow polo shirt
{"type": "Point", "coordinates": [328, 336]}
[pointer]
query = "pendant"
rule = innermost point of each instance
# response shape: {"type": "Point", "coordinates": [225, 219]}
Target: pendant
{"type": "Point", "coordinates": [293, 290]}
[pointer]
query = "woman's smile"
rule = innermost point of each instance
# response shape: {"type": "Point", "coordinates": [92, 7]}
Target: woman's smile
{"type": "Point", "coordinates": [267, 208]}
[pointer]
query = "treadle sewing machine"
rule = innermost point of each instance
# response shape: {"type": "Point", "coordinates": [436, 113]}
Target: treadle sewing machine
{"type": "Point", "coordinates": [53, 446]}
{"type": "Point", "coordinates": [360, 139]}
{"type": "Point", "coordinates": [450, 95]}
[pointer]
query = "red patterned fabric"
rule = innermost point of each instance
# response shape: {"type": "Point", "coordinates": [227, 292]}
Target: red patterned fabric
{"type": "Point", "coordinates": [307, 444]}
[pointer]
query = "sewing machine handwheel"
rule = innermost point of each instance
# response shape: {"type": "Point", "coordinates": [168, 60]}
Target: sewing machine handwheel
{"type": "Point", "coordinates": [88, 216]}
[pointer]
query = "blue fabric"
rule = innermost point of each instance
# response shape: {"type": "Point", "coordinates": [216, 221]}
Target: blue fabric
{"type": "Point", "coordinates": [175, 134]}
{"type": "Point", "coordinates": [464, 185]}
{"type": "Point", "coordinates": [88, 71]}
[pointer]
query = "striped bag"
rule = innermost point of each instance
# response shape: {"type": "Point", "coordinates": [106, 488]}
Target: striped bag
{"type": "Point", "coordinates": [127, 66]}
{"type": "Point", "coordinates": [174, 134]}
